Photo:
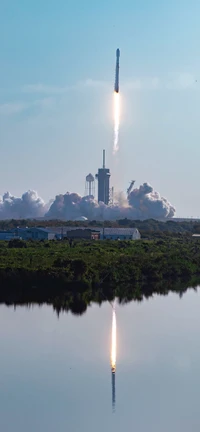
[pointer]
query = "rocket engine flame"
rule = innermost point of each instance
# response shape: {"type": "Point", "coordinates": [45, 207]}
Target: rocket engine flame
{"type": "Point", "coordinates": [114, 342]}
{"type": "Point", "coordinates": [116, 121]}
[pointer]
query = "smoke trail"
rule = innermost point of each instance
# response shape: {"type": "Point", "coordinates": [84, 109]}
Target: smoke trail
{"type": "Point", "coordinates": [116, 121]}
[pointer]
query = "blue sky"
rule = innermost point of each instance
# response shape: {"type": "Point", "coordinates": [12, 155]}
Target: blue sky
{"type": "Point", "coordinates": [56, 81]}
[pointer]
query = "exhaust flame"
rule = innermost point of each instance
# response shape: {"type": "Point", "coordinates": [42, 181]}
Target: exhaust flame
{"type": "Point", "coordinates": [116, 121]}
{"type": "Point", "coordinates": [113, 342]}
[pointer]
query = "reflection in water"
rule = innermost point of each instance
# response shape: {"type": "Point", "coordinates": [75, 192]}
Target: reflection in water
{"type": "Point", "coordinates": [160, 358]}
{"type": "Point", "coordinates": [76, 297]}
{"type": "Point", "coordinates": [113, 390]}
{"type": "Point", "coordinates": [113, 354]}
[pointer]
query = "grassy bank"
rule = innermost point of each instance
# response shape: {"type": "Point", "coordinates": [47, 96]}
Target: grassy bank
{"type": "Point", "coordinates": [70, 277]}
{"type": "Point", "coordinates": [96, 262]}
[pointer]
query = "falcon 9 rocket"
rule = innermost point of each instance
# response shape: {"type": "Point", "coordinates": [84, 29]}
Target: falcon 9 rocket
{"type": "Point", "coordinates": [116, 87]}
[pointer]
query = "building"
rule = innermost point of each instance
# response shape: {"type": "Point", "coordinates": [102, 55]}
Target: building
{"type": "Point", "coordinates": [120, 234]}
{"type": "Point", "coordinates": [7, 235]}
{"type": "Point", "coordinates": [103, 178]}
{"type": "Point", "coordinates": [84, 234]}
{"type": "Point", "coordinates": [34, 233]}
{"type": "Point", "coordinates": [103, 233]}
{"type": "Point", "coordinates": [58, 233]}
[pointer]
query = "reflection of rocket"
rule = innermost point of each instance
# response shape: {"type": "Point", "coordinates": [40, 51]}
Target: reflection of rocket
{"type": "Point", "coordinates": [113, 389]}
{"type": "Point", "coordinates": [116, 88]}
{"type": "Point", "coordinates": [113, 355]}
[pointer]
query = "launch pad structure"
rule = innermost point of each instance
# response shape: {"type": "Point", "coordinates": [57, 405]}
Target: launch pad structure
{"type": "Point", "coordinates": [103, 177]}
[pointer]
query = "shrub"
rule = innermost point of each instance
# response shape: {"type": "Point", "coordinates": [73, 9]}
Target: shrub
{"type": "Point", "coordinates": [17, 243]}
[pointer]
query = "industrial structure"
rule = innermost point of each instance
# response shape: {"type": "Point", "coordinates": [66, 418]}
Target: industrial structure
{"type": "Point", "coordinates": [33, 233]}
{"type": "Point", "coordinates": [119, 234]}
{"type": "Point", "coordinates": [103, 177]}
{"type": "Point", "coordinates": [130, 188]}
{"type": "Point", "coordinates": [82, 234]}
{"type": "Point", "coordinates": [89, 185]}
{"type": "Point", "coordinates": [75, 232]}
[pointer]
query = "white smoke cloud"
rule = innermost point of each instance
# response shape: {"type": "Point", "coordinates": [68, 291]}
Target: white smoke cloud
{"type": "Point", "coordinates": [150, 203]}
{"type": "Point", "coordinates": [29, 205]}
{"type": "Point", "coordinates": [142, 203]}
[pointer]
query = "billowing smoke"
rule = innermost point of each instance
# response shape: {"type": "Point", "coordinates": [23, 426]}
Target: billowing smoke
{"type": "Point", "coordinates": [150, 203]}
{"type": "Point", "coordinates": [141, 203]}
{"type": "Point", "coordinates": [30, 205]}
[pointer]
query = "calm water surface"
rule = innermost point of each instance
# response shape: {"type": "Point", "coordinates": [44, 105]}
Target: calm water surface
{"type": "Point", "coordinates": [55, 373]}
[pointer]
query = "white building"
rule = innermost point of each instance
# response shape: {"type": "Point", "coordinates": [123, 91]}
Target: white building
{"type": "Point", "coordinates": [120, 234]}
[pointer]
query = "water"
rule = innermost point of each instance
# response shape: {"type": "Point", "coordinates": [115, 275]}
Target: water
{"type": "Point", "coordinates": [55, 373]}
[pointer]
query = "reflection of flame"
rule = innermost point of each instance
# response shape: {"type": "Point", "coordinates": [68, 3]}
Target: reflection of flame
{"type": "Point", "coordinates": [116, 121]}
{"type": "Point", "coordinates": [114, 342]}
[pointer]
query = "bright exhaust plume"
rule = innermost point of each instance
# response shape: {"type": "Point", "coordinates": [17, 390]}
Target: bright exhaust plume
{"type": "Point", "coordinates": [116, 121]}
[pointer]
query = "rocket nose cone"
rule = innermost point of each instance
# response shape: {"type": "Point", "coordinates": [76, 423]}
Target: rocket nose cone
{"type": "Point", "coordinates": [118, 52]}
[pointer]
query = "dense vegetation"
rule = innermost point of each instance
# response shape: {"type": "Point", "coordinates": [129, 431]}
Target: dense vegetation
{"type": "Point", "coordinates": [71, 276]}
{"type": "Point", "coordinates": [149, 228]}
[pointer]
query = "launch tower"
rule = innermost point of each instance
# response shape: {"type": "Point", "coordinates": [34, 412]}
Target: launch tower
{"type": "Point", "coordinates": [103, 178]}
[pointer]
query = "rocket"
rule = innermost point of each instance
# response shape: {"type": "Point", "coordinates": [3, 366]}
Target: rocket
{"type": "Point", "coordinates": [113, 389]}
{"type": "Point", "coordinates": [116, 87]}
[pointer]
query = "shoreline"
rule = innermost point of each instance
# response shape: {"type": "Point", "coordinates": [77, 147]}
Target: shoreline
{"type": "Point", "coordinates": [72, 278]}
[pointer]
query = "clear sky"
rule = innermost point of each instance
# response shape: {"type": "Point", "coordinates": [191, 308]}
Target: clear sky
{"type": "Point", "coordinates": [56, 81]}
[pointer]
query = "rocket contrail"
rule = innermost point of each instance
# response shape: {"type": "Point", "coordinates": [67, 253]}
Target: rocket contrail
{"type": "Point", "coordinates": [116, 104]}
{"type": "Point", "coordinates": [116, 122]}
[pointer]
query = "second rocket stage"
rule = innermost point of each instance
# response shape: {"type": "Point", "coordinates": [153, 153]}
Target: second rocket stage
{"type": "Point", "coordinates": [116, 87]}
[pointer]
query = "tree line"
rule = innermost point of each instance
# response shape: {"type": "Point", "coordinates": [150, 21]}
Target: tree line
{"type": "Point", "coordinates": [148, 228]}
{"type": "Point", "coordinates": [52, 271]}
